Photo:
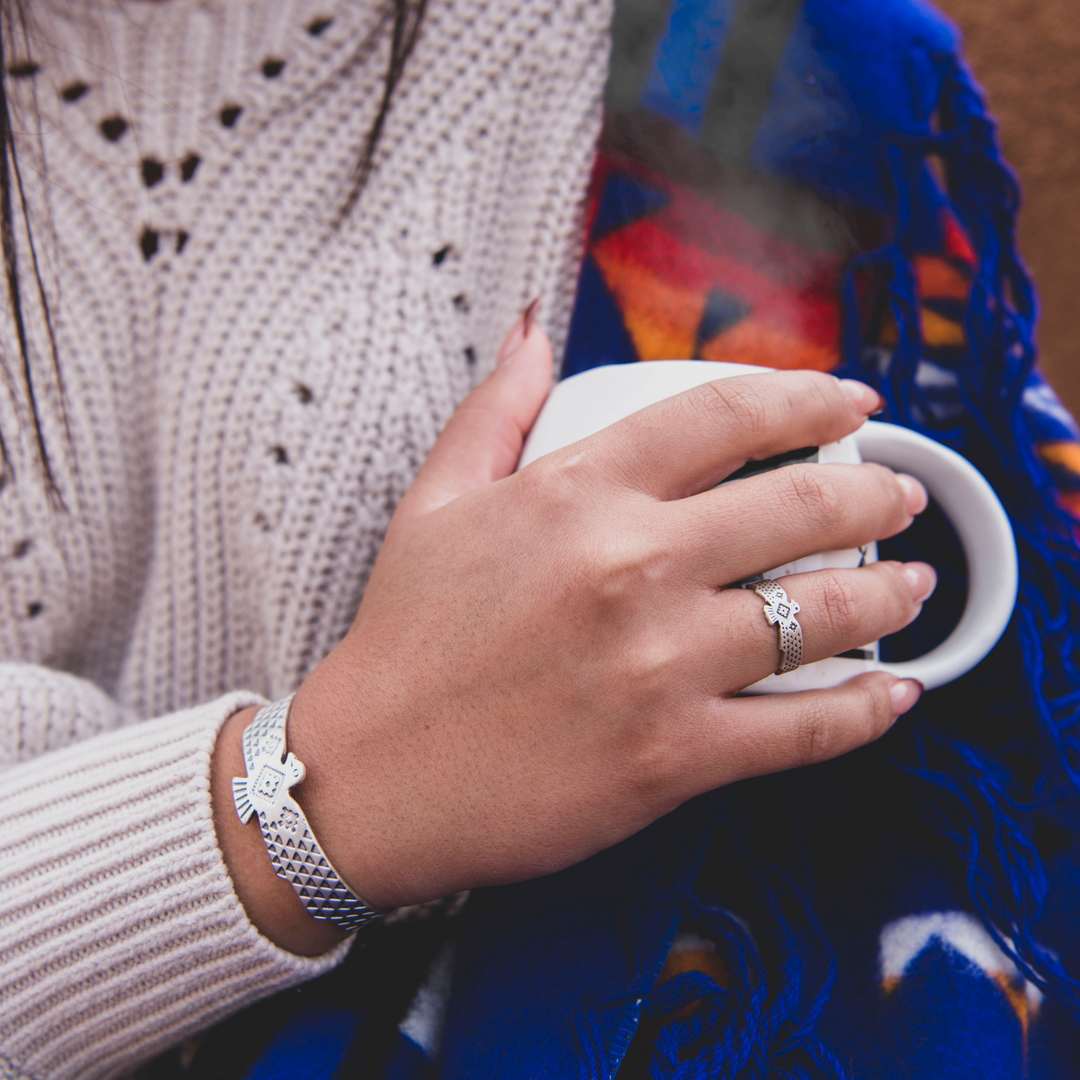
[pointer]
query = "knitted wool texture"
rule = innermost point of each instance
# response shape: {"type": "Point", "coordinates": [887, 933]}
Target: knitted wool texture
{"type": "Point", "coordinates": [248, 390]}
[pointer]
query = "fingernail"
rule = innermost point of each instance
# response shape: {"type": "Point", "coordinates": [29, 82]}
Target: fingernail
{"type": "Point", "coordinates": [865, 398]}
{"type": "Point", "coordinates": [915, 492]}
{"type": "Point", "coordinates": [904, 694]}
{"type": "Point", "coordinates": [513, 341]}
{"type": "Point", "coordinates": [921, 579]}
{"type": "Point", "coordinates": [528, 316]}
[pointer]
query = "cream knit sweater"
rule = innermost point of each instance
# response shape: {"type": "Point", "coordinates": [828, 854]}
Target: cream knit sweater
{"type": "Point", "coordinates": [248, 394]}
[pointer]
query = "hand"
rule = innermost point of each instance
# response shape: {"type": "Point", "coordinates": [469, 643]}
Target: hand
{"type": "Point", "coordinates": [544, 662]}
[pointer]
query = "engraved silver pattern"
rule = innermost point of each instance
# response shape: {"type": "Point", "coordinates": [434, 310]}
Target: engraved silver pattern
{"type": "Point", "coordinates": [781, 610]}
{"type": "Point", "coordinates": [294, 851]}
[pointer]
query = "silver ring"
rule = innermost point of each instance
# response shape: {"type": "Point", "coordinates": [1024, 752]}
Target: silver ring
{"type": "Point", "coordinates": [781, 610]}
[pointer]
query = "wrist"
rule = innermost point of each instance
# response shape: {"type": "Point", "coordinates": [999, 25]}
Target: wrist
{"type": "Point", "coordinates": [270, 902]}
{"type": "Point", "coordinates": [333, 731]}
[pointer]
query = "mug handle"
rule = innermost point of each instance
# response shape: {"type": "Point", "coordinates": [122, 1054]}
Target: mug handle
{"type": "Point", "coordinates": [980, 521]}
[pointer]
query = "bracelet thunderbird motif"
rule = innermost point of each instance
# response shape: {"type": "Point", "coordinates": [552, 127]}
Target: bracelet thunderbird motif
{"type": "Point", "coordinates": [294, 851]}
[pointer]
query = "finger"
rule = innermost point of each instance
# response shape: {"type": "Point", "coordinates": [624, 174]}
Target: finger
{"type": "Point", "coordinates": [775, 732]}
{"type": "Point", "coordinates": [840, 610]}
{"type": "Point", "coordinates": [735, 738]}
{"type": "Point", "coordinates": [762, 522]}
{"type": "Point", "coordinates": [690, 442]}
{"type": "Point", "coordinates": [483, 440]}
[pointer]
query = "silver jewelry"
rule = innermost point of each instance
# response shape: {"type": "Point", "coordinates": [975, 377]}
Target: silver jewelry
{"type": "Point", "coordinates": [294, 851]}
{"type": "Point", "coordinates": [781, 610]}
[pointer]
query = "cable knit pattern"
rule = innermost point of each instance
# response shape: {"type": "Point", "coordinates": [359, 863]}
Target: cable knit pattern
{"type": "Point", "coordinates": [249, 389]}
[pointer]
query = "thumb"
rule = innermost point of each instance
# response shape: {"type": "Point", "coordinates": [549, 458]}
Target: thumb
{"type": "Point", "coordinates": [483, 441]}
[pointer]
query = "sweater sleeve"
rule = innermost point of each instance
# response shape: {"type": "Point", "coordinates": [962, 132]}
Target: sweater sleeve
{"type": "Point", "coordinates": [42, 709]}
{"type": "Point", "coordinates": [120, 932]}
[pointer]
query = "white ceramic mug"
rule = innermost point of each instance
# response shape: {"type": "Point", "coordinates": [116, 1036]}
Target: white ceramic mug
{"type": "Point", "coordinates": [595, 399]}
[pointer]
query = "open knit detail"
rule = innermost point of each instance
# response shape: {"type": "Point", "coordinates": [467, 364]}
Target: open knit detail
{"type": "Point", "coordinates": [249, 390]}
{"type": "Point", "coordinates": [113, 128]}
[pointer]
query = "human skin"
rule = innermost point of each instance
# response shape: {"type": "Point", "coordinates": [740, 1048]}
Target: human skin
{"type": "Point", "coordinates": [546, 661]}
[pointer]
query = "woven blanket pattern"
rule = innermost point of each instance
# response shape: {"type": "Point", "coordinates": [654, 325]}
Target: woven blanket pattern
{"type": "Point", "coordinates": [248, 387]}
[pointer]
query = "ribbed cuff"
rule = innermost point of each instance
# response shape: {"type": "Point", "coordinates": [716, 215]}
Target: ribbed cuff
{"type": "Point", "coordinates": [120, 928]}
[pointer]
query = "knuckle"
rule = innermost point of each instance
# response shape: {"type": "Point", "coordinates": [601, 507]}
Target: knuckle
{"type": "Point", "coordinates": [622, 572]}
{"type": "Point", "coordinates": [617, 562]}
{"type": "Point", "coordinates": [601, 567]}
{"type": "Point", "coordinates": [815, 732]}
{"type": "Point", "coordinates": [657, 769]}
{"type": "Point", "coordinates": [875, 709]}
{"type": "Point", "coordinates": [653, 766]}
{"type": "Point", "coordinates": [831, 726]}
{"type": "Point", "coordinates": [891, 493]}
{"type": "Point", "coordinates": [538, 482]}
{"type": "Point", "coordinates": [820, 388]}
{"type": "Point", "coordinates": [558, 486]}
{"type": "Point", "coordinates": [839, 606]}
{"type": "Point", "coordinates": [743, 410]}
{"type": "Point", "coordinates": [555, 474]}
{"type": "Point", "coordinates": [640, 686]}
{"type": "Point", "coordinates": [810, 394]}
{"type": "Point", "coordinates": [899, 603]}
{"type": "Point", "coordinates": [810, 493]}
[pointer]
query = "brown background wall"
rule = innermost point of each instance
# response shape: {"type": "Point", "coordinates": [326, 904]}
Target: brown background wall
{"type": "Point", "coordinates": [1026, 54]}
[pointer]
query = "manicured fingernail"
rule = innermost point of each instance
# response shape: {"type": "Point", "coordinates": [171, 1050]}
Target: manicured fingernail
{"type": "Point", "coordinates": [915, 492]}
{"type": "Point", "coordinates": [513, 341]}
{"type": "Point", "coordinates": [921, 579]}
{"type": "Point", "coordinates": [528, 316]}
{"type": "Point", "coordinates": [904, 694]}
{"type": "Point", "coordinates": [866, 399]}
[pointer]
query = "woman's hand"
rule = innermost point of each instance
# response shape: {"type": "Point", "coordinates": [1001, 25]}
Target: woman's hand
{"type": "Point", "coordinates": [546, 661]}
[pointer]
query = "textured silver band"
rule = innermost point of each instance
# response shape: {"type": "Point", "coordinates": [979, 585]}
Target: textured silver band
{"type": "Point", "coordinates": [781, 610]}
{"type": "Point", "coordinates": [294, 851]}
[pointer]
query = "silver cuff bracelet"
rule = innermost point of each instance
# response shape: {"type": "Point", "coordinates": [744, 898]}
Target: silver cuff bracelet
{"type": "Point", "coordinates": [294, 851]}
